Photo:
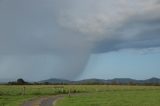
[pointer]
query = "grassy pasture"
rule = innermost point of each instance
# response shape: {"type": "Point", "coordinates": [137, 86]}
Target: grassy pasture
{"type": "Point", "coordinates": [114, 98]}
{"type": "Point", "coordinates": [93, 95]}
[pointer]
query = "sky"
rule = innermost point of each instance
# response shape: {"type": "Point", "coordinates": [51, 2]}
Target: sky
{"type": "Point", "coordinates": [77, 39]}
{"type": "Point", "coordinates": [123, 64]}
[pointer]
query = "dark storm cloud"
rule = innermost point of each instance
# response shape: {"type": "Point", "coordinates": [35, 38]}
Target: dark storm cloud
{"type": "Point", "coordinates": [139, 32]}
{"type": "Point", "coordinates": [66, 32]}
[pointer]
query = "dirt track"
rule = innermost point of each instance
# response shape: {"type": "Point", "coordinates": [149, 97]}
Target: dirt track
{"type": "Point", "coordinates": [44, 101]}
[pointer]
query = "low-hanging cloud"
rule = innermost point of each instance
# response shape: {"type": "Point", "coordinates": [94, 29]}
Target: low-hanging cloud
{"type": "Point", "coordinates": [54, 38]}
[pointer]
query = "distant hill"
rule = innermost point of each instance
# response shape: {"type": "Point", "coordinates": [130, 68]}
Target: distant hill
{"type": "Point", "coordinates": [55, 80]}
{"type": "Point", "coordinates": [151, 81]}
{"type": "Point", "coordinates": [119, 81]}
{"type": "Point", "coordinates": [90, 81]}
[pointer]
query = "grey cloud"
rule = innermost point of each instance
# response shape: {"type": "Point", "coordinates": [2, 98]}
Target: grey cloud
{"type": "Point", "coordinates": [33, 31]}
{"type": "Point", "coordinates": [138, 32]}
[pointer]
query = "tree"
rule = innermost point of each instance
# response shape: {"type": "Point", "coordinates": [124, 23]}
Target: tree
{"type": "Point", "coordinates": [20, 81]}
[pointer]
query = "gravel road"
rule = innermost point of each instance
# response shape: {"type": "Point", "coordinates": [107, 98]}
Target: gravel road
{"type": "Point", "coordinates": [44, 101]}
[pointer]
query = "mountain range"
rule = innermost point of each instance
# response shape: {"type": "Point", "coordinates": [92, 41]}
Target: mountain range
{"type": "Point", "coordinates": [102, 81]}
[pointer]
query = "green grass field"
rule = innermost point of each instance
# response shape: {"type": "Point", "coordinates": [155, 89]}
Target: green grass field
{"type": "Point", "coordinates": [90, 95]}
{"type": "Point", "coordinates": [114, 98]}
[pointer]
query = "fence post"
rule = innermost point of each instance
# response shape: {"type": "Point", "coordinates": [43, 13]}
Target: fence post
{"type": "Point", "coordinates": [24, 89]}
